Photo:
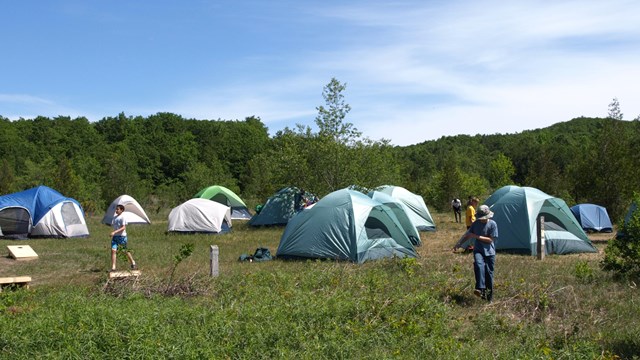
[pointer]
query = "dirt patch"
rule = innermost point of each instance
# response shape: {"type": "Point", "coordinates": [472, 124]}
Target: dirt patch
{"type": "Point", "coordinates": [601, 237]}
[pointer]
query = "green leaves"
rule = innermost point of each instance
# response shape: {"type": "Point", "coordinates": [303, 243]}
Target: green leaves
{"type": "Point", "coordinates": [622, 254]}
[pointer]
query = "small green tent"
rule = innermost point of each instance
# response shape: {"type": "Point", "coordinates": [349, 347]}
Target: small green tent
{"type": "Point", "coordinates": [401, 211]}
{"type": "Point", "coordinates": [228, 198]}
{"type": "Point", "coordinates": [516, 210]}
{"type": "Point", "coordinates": [345, 225]}
{"type": "Point", "coordinates": [419, 214]}
{"type": "Point", "coordinates": [281, 207]}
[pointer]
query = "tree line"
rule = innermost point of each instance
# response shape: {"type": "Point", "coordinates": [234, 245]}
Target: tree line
{"type": "Point", "coordinates": [164, 159]}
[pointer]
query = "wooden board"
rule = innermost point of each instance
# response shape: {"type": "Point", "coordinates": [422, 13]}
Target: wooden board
{"type": "Point", "coordinates": [124, 274]}
{"type": "Point", "coordinates": [22, 252]}
{"type": "Point", "coordinates": [16, 280]}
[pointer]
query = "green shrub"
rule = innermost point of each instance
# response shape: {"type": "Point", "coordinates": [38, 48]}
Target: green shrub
{"type": "Point", "coordinates": [622, 255]}
{"type": "Point", "coordinates": [583, 271]}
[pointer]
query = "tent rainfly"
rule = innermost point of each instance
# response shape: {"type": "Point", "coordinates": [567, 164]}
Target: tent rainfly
{"type": "Point", "coordinates": [401, 211]}
{"type": "Point", "coordinates": [228, 198]}
{"type": "Point", "coordinates": [41, 212]}
{"type": "Point", "coordinates": [345, 225]}
{"type": "Point", "coordinates": [419, 213]}
{"type": "Point", "coordinates": [281, 207]}
{"type": "Point", "coordinates": [516, 210]}
{"type": "Point", "coordinates": [592, 217]}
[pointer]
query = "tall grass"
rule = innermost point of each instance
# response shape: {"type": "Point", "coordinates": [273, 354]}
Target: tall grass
{"type": "Point", "coordinates": [562, 307]}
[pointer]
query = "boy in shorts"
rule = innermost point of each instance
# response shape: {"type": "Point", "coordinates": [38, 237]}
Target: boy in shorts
{"type": "Point", "coordinates": [119, 238]}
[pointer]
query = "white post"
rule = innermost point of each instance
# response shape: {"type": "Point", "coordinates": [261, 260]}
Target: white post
{"type": "Point", "coordinates": [540, 233]}
{"type": "Point", "coordinates": [213, 261]}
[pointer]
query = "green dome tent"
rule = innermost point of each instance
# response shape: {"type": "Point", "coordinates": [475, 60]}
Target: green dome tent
{"type": "Point", "coordinates": [281, 207]}
{"type": "Point", "coordinates": [516, 210]}
{"type": "Point", "coordinates": [401, 211]}
{"type": "Point", "coordinates": [419, 214]}
{"type": "Point", "coordinates": [345, 225]}
{"type": "Point", "coordinates": [228, 198]}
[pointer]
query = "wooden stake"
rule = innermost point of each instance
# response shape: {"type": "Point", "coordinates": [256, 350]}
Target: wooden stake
{"type": "Point", "coordinates": [213, 262]}
{"type": "Point", "coordinates": [540, 234]}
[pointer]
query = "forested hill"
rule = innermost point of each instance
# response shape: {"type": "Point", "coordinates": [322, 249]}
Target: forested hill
{"type": "Point", "coordinates": [164, 159]}
{"type": "Point", "coordinates": [582, 160]}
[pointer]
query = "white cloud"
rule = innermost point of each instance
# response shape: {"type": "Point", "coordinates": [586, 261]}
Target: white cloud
{"type": "Point", "coordinates": [10, 99]}
{"type": "Point", "coordinates": [414, 70]}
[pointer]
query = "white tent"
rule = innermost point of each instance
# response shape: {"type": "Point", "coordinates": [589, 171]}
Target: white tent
{"type": "Point", "coordinates": [133, 212]}
{"type": "Point", "coordinates": [41, 212]}
{"type": "Point", "coordinates": [200, 215]}
{"type": "Point", "coordinates": [65, 219]}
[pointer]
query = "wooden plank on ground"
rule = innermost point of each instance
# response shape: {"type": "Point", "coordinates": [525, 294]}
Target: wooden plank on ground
{"type": "Point", "coordinates": [22, 252]}
{"type": "Point", "coordinates": [15, 280]}
{"type": "Point", "coordinates": [124, 274]}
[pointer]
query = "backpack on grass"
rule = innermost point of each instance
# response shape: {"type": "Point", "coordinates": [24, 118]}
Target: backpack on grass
{"type": "Point", "coordinates": [262, 254]}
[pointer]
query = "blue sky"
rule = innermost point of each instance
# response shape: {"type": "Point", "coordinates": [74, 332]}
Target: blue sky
{"type": "Point", "coordinates": [415, 70]}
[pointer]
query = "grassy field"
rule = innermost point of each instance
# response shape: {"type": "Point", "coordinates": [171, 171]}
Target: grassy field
{"type": "Point", "coordinates": [564, 307]}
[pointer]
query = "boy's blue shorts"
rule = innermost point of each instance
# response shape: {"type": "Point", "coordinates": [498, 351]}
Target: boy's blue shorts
{"type": "Point", "coordinates": [118, 240]}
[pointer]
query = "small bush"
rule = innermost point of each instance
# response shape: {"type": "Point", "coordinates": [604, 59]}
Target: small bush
{"type": "Point", "coordinates": [409, 265]}
{"type": "Point", "coordinates": [622, 255]}
{"type": "Point", "coordinates": [583, 272]}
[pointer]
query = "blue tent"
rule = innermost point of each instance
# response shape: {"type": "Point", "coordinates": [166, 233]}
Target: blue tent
{"type": "Point", "coordinates": [41, 211]}
{"type": "Point", "coordinates": [592, 217]}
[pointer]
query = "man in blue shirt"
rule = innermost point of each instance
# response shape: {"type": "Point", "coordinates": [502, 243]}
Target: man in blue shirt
{"type": "Point", "coordinates": [485, 232]}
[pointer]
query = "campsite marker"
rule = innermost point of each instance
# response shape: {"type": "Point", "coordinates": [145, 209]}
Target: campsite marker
{"type": "Point", "coordinates": [540, 234]}
{"type": "Point", "coordinates": [22, 252]}
{"type": "Point", "coordinates": [213, 262]}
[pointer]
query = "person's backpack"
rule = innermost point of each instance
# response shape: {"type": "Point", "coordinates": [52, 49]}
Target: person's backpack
{"type": "Point", "coordinates": [262, 254]}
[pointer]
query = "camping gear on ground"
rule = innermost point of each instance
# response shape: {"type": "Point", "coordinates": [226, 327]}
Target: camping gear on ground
{"type": "Point", "coordinates": [345, 225]}
{"type": "Point", "coordinates": [133, 213]}
{"type": "Point", "coordinates": [200, 216]}
{"type": "Point", "coordinates": [228, 198]}
{"type": "Point", "coordinates": [419, 213]}
{"type": "Point", "coordinates": [261, 254]}
{"type": "Point", "coordinates": [41, 212]}
{"type": "Point", "coordinates": [282, 206]}
{"type": "Point", "coordinates": [401, 211]}
{"type": "Point", "coordinates": [592, 217]}
{"type": "Point", "coordinates": [516, 210]}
